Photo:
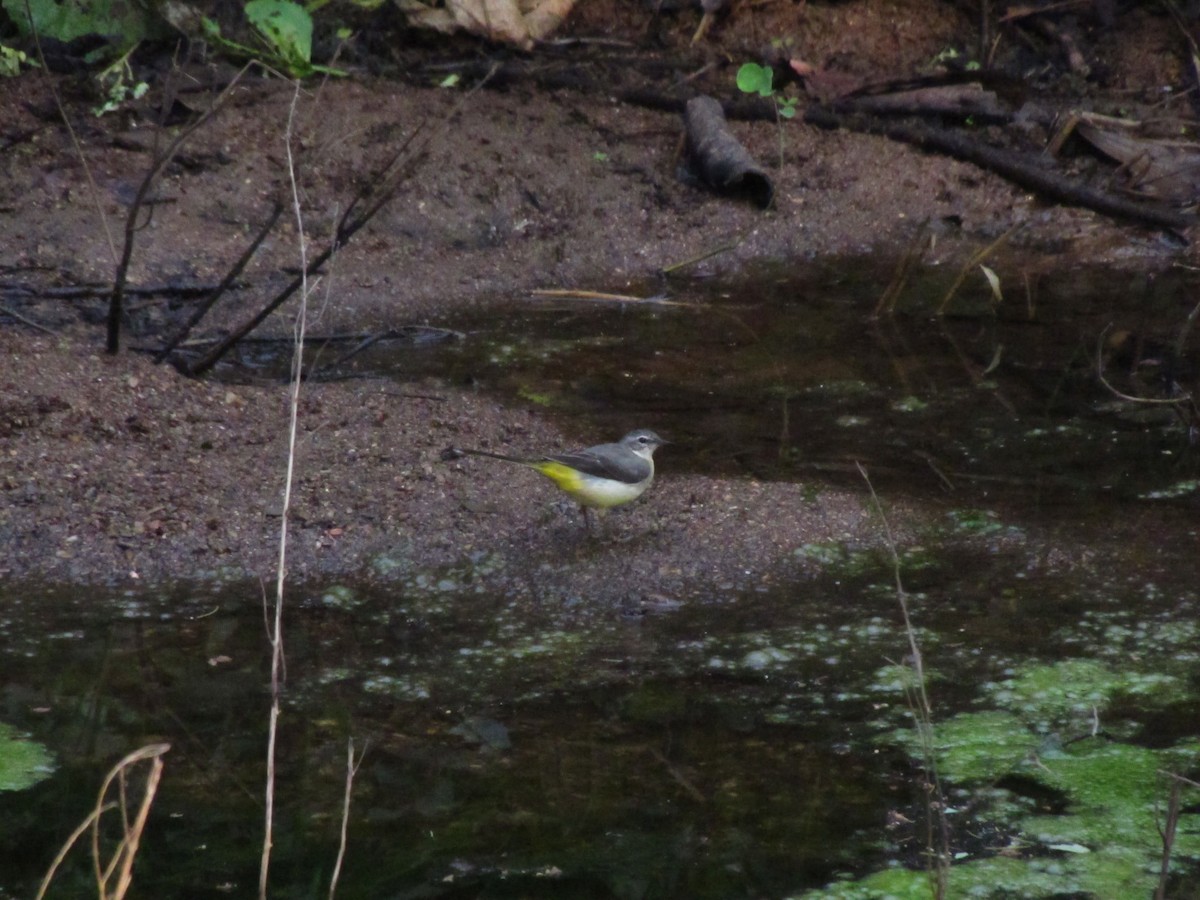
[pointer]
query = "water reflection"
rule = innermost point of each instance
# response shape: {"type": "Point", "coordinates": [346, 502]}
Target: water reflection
{"type": "Point", "coordinates": [733, 746]}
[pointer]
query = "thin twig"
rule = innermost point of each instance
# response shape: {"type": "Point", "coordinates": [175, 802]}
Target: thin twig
{"type": "Point", "coordinates": [923, 711]}
{"type": "Point", "coordinates": [715, 251]}
{"type": "Point", "coordinates": [673, 771]}
{"type": "Point", "coordinates": [131, 220]}
{"type": "Point", "coordinates": [370, 340]}
{"type": "Point", "coordinates": [1167, 833]}
{"type": "Point", "coordinates": [1175, 776]}
{"type": "Point", "coordinates": [912, 255]}
{"type": "Point", "coordinates": [93, 190]}
{"type": "Point", "coordinates": [377, 192]}
{"type": "Point", "coordinates": [4, 310]}
{"type": "Point", "coordinates": [574, 294]}
{"type": "Point", "coordinates": [133, 835]}
{"type": "Point", "coordinates": [276, 634]}
{"type": "Point", "coordinates": [1170, 401]}
{"type": "Point", "coordinates": [66, 847]}
{"type": "Point", "coordinates": [351, 770]}
{"type": "Point", "coordinates": [1188, 324]}
{"type": "Point", "coordinates": [234, 271]}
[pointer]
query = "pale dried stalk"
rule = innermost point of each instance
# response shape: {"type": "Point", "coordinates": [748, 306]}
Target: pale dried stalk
{"type": "Point", "coordinates": [276, 629]}
{"type": "Point", "coordinates": [121, 863]}
{"type": "Point", "coordinates": [351, 771]}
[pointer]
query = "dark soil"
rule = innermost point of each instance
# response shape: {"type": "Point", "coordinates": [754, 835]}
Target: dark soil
{"type": "Point", "coordinates": [115, 468]}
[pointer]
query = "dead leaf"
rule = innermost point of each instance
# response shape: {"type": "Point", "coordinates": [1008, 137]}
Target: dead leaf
{"type": "Point", "coordinates": [517, 22]}
{"type": "Point", "coordinates": [1152, 167]}
{"type": "Point", "coordinates": [994, 281]}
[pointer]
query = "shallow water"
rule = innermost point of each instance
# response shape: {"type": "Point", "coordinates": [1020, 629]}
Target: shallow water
{"type": "Point", "coordinates": [759, 746]}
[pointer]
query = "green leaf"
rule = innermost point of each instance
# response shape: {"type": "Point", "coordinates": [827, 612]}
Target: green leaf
{"type": "Point", "coordinates": [11, 61]}
{"type": "Point", "coordinates": [755, 79]}
{"type": "Point", "coordinates": [66, 20]}
{"type": "Point", "coordinates": [210, 29]}
{"type": "Point", "coordinates": [288, 29]}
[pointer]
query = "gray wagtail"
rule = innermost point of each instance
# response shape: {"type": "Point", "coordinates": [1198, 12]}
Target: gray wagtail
{"type": "Point", "coordinates": [599, 477]}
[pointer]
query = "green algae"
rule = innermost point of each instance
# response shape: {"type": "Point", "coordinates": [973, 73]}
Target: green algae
{"type": "Point", "coordinates": [23, 763]}
{"type": "Point", "coordinates": [979, 523]}
{"type": "Point", "coordinates": [1106, 840]}
{"type": "Point", "coordinates": [981, 746]}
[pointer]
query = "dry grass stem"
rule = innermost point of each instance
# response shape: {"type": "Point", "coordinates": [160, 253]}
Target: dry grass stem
{"type": "Point", "coordinates": [121, 862]}
{"type": "Point", "coordinates": [913, 254]}
{"type": "Point", "coordinates": [601, 296]}
{"type": "Point", "coordinates": [937, 838]}
{"type": "Point", "coordinates": [970, 265]}
{"type": "Point", "coordinates": [351, 770]}
{"type": "Point", "coordinates": [276, 628]}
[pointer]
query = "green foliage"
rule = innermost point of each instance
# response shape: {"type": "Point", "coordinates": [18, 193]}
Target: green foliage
{"type": "Point", "coordinates": [286, 30]}
{"type": "Point", "coordinates": [369, 5]}
{"type": "Point", "coordinates": [11, 61]}
{"type": "Point", "coordinates": [979, 522]}
{"type": "Point", "coordinates": [1070, 693]}
{"type": "Point", "coordinates": [537, 397]}
{"type": "Point", "coordinates": [981, 746]}
{"type": "Point", "coordinates": [950, 55]}
{"type": "Point", "coordinates": [119, 85]}
{"type": "Point", "coordinates": [755, 79]}
{"type": "Point", "coordinates": [122, 22]}
{"type": "Point", "coordinates": [996, 878]}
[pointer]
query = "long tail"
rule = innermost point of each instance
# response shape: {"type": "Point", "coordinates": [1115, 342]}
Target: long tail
{"type": "Point", "coordinates": [512, 459]}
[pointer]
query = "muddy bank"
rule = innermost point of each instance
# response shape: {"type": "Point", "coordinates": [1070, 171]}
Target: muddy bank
{"type": "Point", "coordinates": [123, 472]}
{"type": "Point", "coordinates": [117, 470]}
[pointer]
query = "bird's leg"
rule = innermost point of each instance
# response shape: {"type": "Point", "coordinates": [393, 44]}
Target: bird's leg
{"type": "Point", "coordinates": [599, 513]}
